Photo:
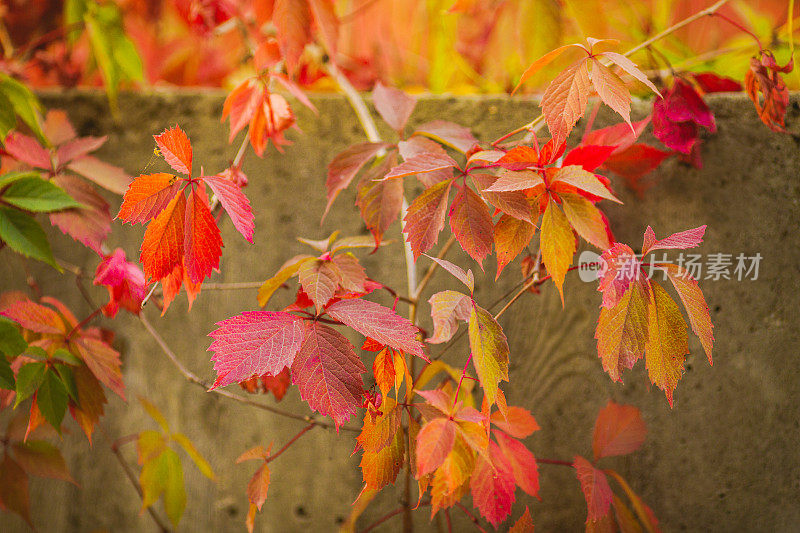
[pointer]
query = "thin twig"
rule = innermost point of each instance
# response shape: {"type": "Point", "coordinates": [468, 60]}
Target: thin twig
{"type": "Point", "coordinates": [285, 447]}
{"type": "Point", "coordinates": [197, 380]}
{"type": "Point", "coordinates": [471, 516]}
{"type": "Point", "coordinates": [432, 268]}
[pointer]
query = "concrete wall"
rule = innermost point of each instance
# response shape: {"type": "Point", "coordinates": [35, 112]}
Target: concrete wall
{"type": "Point", "coordinates": [724, 459]}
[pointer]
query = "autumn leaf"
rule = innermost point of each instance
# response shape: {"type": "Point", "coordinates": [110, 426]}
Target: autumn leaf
{"type": "Point", "coordinates": [511, 236]}
{"type": "Point", "coordinates": [14, 488]}
{"type": "Point", "coordinates": [451, 480]}
{"type": "Point", "coordinates": [467, 278]}
{"type": "Point", "coordinates": [524, 524]}
{"type": "Point", "coordinates": [618, 430]}
{"type": "Point", "coordinates": [453, 135]}
{"type": "Point", "coordinates": [622, 331]}
{"type": "Point", "coordinates": [635, 162]}
{"type": "Point", "coordinates": [678, 115]}
{"type": "Point", "coordinates": [393, 105]}
{"type": "Point", "coordinates": [380, 202]}
{"type": "Point", "coordinates": [666, 346]}
{"type": "Point", "coordinates": [147, 196]}
{"type": "Point", "coordinates": [88, 224]}
{"type": "Point", "coordinates": [162, 246]}
{"type": "Point", "coordinates": [596, 490]}
{"type": "Point", "coordinates": [471, 224]}
{"type": "Point", "coordinates": [288, 270]}
{"type": "Point", "coordinates": [174, 146]}
{"type": "Point", "coordinates": [343, 168]}
{"type": "Point", "coordinates": [579, 178]}
{"type": "Point", "coordinates": [202, 245]}
{"type": "Point", "coordinates": [764, 76]}
{"type": "Point", "coordinates": [379, 323]}
{"type": "Point", "coordinates": [319, 279]}
{"type": "Point", "coordinates": [447, 308]}
{"type": "Point", "coordinates": [423, 163]}
{"type": "Point", "coordinates": [695, 304]}
{"type": "Point", "coordinates": [255, 343]}
{"type": "Point", "coordinates": [518, 422]}
{"type": "Point", "coordinates": [564, 100]}
{"type": "Point", "coordinates": [489, 350]}
{"type": "Point", "coordinates": [492, 486]}
{"type": "Point", "coordinates": [512, 203]}
{"type": "Point", "coordinates": [611, 89]}
{"type": "Point", "coordinates": [235, 204]}
{"type": "Point", "coordinates": [586, 219]}
{"type": "Point", "coordinates": [327, 372]}
{"type": "Point", "coordinates": [434, 442]}
{"type": "Point", "coordinates": [557, 243]}
{"type": "Point", "coordinates": [326, 23]}
{"type": "Point", "coordinates": [124, 281]}
{"type": "Point", "coordinates": [522, 462]}
{"type": "Point", "coordinates": [690, 238]}
{"type": "Point", "coordinates": [425, 217]}
{"type": "Point", "coordinates": [292, 19]}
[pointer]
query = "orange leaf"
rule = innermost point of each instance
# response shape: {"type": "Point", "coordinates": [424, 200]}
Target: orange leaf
{"type": "Point", "coordinates": [511, 236]}
{"type": "Point", "coordinates": [162, 247]}
{"type": "Point", "coordinates": [618, 430]}
{"type": "Point", "coordinates": [695, 304]}
{"type": "Point", "coordinates": [622, 331]}
{"type": "Point", "coordinates": [564, 101]}
{"type": "Point", "coordinates": [383, 369]}
{"type": "Point", "coordinates": [612, 90]}
{"type": "Point", "coordinates": [292, 19]}
{"type": "Point", "coordinates": [557, 244]}
{"type": "Point", "coordinates": [586, 219]}
{"type": "Point", "coordinates": [176, 149]}
{"type": "Point", "coordinates": [434, 442]}
{"type": "Point", "coordinates": [595, 488]}
{"type": "Point", "coordinates": [258, 485]}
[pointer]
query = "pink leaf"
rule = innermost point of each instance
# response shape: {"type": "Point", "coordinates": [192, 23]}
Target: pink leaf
{"type": "Point", "coordinates": [394, 105]}
{"type": "Point", "coordinates": [124, 281]}
{"type": "Point", "coordinates": [690, 238]}
{"type": "Point", "coordinates": [235, 203]}
{"type": "Point", "coordinates": [515, 180]}
{"type": "Point", "coordinates": [88, 225]}
{"type": "Point", "coordinates": [379, 323]}
{"type": "Point", "coordinates": [28, 150]}
{"type": "Point", "coordinates": [346, 165]}
{"type": "Point", "coordinates": [254, 343]}
{"type": "Point", "coordinates": [449, 133]}
{"type": "Point", "coordinates": [109, 177]}
{"type": "Point", "coordinates": [327, 372]}
{"type": "Point", "coordinates": [78, 148]}
{"type": "Point", "coordinates": [467, 278]}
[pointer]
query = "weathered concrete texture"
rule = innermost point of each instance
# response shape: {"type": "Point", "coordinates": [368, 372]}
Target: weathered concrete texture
{"type": "Point", "coordinates": [724, 459]}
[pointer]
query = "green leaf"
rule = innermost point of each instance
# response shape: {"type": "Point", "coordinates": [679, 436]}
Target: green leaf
{"type": "Point", "coordinates": [155, 414]}
{"type": "Point", "coordinates": [489, 350]}
{"type": "Point", "coordinates": [29, 377]}
{"type": "Point", "coordinates": [164, 475]}
{"type": "Point", "coordinates": [23, 101]}
{"type": "Point", "coordinates": [8, 120]}
{"type": "Point", "coordinates": [66, 356]}
{"type": "Point", "coordinates": [73, 15]}
{"type": "Point", "coordinates": [11, 342]}
{"type": "Point", "coordinates": [67, 377]}
{"type": "Point", "coordinates": [36, 352]}
{"type": "Point", "coordinates": [6, 374]}
{"type": "Point", "coordinates": [36, 194]}
{"type": "Point", "coordinates": [25, 236]}
{"type": "Point", "coordinates": [11, 177]}
{"type": "Point", "coordinates": [52, 399]}
{"type": "Point", "coordinates": [195, 456]}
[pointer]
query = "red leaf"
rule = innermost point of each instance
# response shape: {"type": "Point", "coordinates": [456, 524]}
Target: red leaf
{"type": "Point", "coordinates": [346, 165]}
{"type": "Point", "coordinates": [162, 246]}
{"type": "Point", "coordinates": [240, 105]}
{"type": "Point", "coordinates": [327, 372]}
{"type": "Point", "coordinates": [471, 224]}
{"type": "Point", "coordinates": [595, 489]}
{"type": "Point", "coordinates": [425, 217]}
{"type": "Point", "coordinates": [124, 281]}
{"type": "Point", "coordinates": [522, 463]}
{"type": "Point", "coordinates": [379, 323]}
{"type": "Point", "coordinates": [710, 82]}
{"type": "Point", "coordinates": [88, 225]}
{"type": "Point", "coordinates": [618, 430]}
{"type": "Point", "coordinates": [619, 135]}
{"type": "Point", "coordinates": [202, 243]}
{"type": "Point", "coordinates": [635, 162]}
{"type": "Point", "coordinates": [449, 133]}
{"type": "Point", "coordinates": [434, 442]}
{"type": "Point", "coordinates": [524, 524]}
{"type": "Point", "coordinates": [235, 203]}
{"type": "Point", "coordinates": [28, 150]}
{"type": "Point", "coordinates": [589, 156]}
{"type": "Point", "coordinates": [620, 268]}
{"type": "Point", "coordinates": [493, 486]}
{"type": "Point", "coordinates": [147, 196]}
{"type": "Point", "coordinates": [254, 343]}
{"type": "Point", "coordinates": [176, 149]}
{"type": "Point", "coordinates": [676, 117]}
{"type": "Point", "coordinates": [292, 19]}
{"type": "Point", "coordinates": [516, 180]}
{"type": "Point", "coordinates": [394, 105]}
{"type": "Point", "coordinates": [422, 164]}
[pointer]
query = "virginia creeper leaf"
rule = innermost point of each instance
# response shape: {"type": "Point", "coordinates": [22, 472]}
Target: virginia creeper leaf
{"type": "Point", "coordinates": [578, 177]}
{"type": "Point", "coordinates": [88, 224]}
{"type": "Point", "coordinates": [447, 308]}
{"type": "Point", "coordinates": [522, 462]}
{"type": "Point", "coordinates": [557, 244]}
{"type": "Point", "coordinates": [25, 236]}
{"type": "Point", "coordinates": [254, 343]}
{"type": "Point", "coordinates": [622, 331]}
{"type": "Point", "coordinates": [393, 105]}
{"type": "Point", "coordinates": [343, 168]}
{"type": "Point", "coordinates": [425, 217]}
{"type": "Point", "coordinates": [695, 304]}
{"type": "Point", "coordinates": [492, 485]}
{"type": "Point", "coordinates": [511, 236]}
{"type": "Point", "coordinates": [586, 219]}
{"type": "Point", "coordinates": [319, 280]}
{"type": "Point", "coordinates": [667, 343]}
{"type": "Point", "coordinates": [595, 489]}
{"type": "Point", "coordinates": [202, 245]}
{"type": "Point", "coordinates": [235, 203]}
{"type": "Point", "coordinates": [471, 224]}
{"type": "Point", "coordinates": [618, 430]}
{"type": "Point", "coordinates": [564, 100]}
{"type": "Point", "coordinates": [434, 442]}
{"type": "Point", "coordinates": [174, 145]}
{"type": "Point", "coordinates": [489, 350]}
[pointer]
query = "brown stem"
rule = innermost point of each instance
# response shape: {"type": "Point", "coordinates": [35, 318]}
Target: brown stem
{"type": "Point", "coordinates": [553, 462]}
{"type": "Point", "coordinates": [194, 378]}
{"type": "Point", "coordinates": [303, 431]}
{"type": "Point", "coordinates": [131, 475]}
{"type": "Point", "coordinates": [83, 322]}
{"type": "Point", "coordinates": [389, 515]}
{"type": "Point", "coordinates": [471, 516]}
{"type": "Point", "coordinates": [739, 26]}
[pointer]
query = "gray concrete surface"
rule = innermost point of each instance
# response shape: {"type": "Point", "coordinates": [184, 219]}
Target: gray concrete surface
{"type": "Point", "coordinates": [723, 459]}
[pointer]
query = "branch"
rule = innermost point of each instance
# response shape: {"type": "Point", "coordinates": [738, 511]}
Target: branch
{"type": "Point", "coordinates": [471, 516]}
{"type": "Point", "coordinates": [303, 431]}
{"type": "Point", "coordinates": [197, 380]}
